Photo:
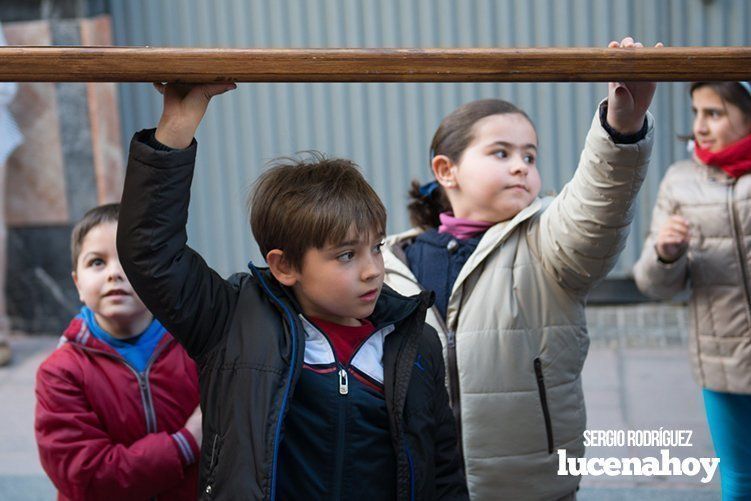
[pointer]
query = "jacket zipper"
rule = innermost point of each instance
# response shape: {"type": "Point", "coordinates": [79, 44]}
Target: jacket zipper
{"type": "Point", "coordinates": [739, 248]}
{"type": "Point", "coordinates": [544, 403]}
{"type": "Point", "coordinates": [453, 380]}
{"type": "Point", "coordinates": [143, 383]}
{"type": "Point", "coordinates": [343, 380]}
{"type": "Point", "coordinates": [288, 386]}
{"type": "Point", "coordinates": [146, 396]}
{"type": "Point", "coordinates": [341, 431]}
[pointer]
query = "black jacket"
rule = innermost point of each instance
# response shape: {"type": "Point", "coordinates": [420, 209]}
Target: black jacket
{"type": "Point", "coordinates": [246, 335]}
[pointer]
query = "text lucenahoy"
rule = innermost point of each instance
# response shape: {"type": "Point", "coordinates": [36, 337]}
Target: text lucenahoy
{"type": "Point", "coordinates": [648, 466]}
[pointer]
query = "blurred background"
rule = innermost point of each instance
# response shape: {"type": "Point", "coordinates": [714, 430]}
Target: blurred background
{"type": "Point", "coordinates": [77, 134]}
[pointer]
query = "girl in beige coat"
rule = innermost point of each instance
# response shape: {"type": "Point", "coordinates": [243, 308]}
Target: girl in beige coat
{"type": "Point", "coordinates": [700, 239]}
{"type": "Point", "coordinates": [511, 274]}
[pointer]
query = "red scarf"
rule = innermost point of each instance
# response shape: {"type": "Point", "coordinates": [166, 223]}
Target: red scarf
{"type": "Point", "coordinates": [735, 159]}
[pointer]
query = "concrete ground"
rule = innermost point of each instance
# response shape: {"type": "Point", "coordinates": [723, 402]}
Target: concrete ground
{"type": "Point", "coordinates": [627, 388]}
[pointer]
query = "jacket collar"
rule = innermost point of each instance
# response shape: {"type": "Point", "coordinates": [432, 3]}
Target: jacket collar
{"type": "Point", "coordinates": [713, 174]}
{"type": "Point", "coordinates": [274, 287]}
{"type": "Point", "coordinates": [395, 261]}
{"type": "Point", "coordinates": [495, 236]}
{"type": "Point", "coordinates": [78, 333]}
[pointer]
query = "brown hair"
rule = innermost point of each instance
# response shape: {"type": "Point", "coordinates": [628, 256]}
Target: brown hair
{"type": "Point", "coordinates": [300, 203]}
{"type": "Point", "coordinates": [730, 92]}
{"type": "Point", "coordinates": [453, 136]}
{"type": "Point", "coordinates": [108, 213]}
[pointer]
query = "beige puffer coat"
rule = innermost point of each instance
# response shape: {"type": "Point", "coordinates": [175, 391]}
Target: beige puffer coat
{"type": "Point", "coordinates": [715, 268]}
{"type": "Point", "coordinates": [515, 337]}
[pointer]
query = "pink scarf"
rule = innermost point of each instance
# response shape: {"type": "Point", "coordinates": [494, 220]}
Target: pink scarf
{"type": "Point", "coordinates": [735, 159]}
{"type": "Point", "coordinates": [461, 228]}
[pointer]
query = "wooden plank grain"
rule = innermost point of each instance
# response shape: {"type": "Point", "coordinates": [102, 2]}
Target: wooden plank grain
{"type": "Point", "coordinates": [151, 64]}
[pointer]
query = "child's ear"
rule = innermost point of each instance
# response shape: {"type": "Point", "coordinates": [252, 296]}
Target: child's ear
{"type": "Point", "coordinates": [74, 275]}
{"type": "Point", "coordinates": [443, 170]}
{"type": "Point", "coordinates": [281, 268]}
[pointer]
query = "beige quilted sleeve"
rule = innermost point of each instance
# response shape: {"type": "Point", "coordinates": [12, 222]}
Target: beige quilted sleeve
{"type": "Point", "coordinates": [585, 228]}
{"type": "Point", "coordinates": [653, 277]}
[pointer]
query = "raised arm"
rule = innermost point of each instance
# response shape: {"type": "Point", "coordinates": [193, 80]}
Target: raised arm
{"type": "Point", "coordinates": [584, 230]}
{"type": "Point", "coordinates": [174, 282]}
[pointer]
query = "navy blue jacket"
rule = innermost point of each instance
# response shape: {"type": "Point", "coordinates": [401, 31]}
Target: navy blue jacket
{"type": "Point", "coordinates": [248, 338]}
{"type": "Point", "coordinates": [436, 260]}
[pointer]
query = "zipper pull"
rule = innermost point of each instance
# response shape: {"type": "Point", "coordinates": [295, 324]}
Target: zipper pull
{"type": "Point", "coordinates": [451, 339]}
{"type": "Point", "coordinates": [343, 384]}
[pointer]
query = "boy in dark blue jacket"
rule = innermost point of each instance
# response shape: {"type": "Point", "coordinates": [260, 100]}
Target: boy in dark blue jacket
{"type": "Point", "coordinates": [317, 381]}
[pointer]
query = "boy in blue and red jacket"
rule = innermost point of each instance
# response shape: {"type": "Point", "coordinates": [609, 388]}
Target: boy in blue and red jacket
{"type": "Point", "coordinates": [116, 414]}
{"type": "Point", "coordinates": [317, 381]}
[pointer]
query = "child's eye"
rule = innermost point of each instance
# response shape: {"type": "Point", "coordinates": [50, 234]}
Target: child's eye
{"type": "Point", "coordinates": [501, 154]}
{"type": "Point", "coordinates": [530, 159]}
{"type": "Point", "coordinates": [714, 113]}
{"type": "Point", "coordinates": [96, 262]}
{"type": "Point", "coordinates": [377, 248]}
{"type": "Point", "coordinates": [346, 257]}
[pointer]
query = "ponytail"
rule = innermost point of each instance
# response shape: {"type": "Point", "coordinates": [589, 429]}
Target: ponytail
{"type": "Point", "coordinates": [426, 203]}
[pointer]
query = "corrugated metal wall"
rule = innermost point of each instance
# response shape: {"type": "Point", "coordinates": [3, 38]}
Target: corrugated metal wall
{"type": "Point", "coordinates": [386, 128]}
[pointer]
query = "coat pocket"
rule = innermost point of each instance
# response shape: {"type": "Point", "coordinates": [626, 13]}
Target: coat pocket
{"type": "Point", "coordinates": [212, 445]}
{"type": "Point", "coordinates": [544, 403]}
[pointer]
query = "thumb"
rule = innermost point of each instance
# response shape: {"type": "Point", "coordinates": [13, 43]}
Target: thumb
{"type": "Point", "coordinates": [197, 100]}
{"type": "Point", "coordinates": [210, 90]}
{"type": "Point", "coordinates": [618, 90]}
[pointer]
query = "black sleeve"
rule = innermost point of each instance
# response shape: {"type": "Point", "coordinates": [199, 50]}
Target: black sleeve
{"type": "Point", "coordinates": [616, 136]}
{"type": "Point", "coordinates": [190, 299]}
{"type": "Point", "coordinates": [449, 482]}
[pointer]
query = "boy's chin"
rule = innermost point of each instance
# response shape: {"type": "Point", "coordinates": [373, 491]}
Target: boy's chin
{"type": "Point", "coordinates": [123, 316]}
{"type": "Point", "coordinates": [353, 317]}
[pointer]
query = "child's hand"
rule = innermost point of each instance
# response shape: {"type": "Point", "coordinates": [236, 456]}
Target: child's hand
{"type": "Point", "coordinates": [628, 101]}
{"type": "Point", "coordinates": [673, 238]}
{"type": "Point", "coordinates": [194, 425]}
{"type": "Point", "coordinates": [184, 107]}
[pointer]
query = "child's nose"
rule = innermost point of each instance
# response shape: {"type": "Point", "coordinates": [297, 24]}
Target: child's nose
{"type": "Point", "coordinates": [519, 166]}
{"type": "Point", "coordinates": [700, 125]}
{"type": "Point", "coordinates": [372, 269]}
{"type": "Point", "coordinates": [116, 271]}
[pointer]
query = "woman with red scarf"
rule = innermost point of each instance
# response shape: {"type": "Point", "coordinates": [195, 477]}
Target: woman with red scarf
{"type": "Point", "coordinates": [700, 239]}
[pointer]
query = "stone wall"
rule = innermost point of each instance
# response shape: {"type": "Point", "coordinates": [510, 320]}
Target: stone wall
{"type": "Point", "coordinates": [71, 160]}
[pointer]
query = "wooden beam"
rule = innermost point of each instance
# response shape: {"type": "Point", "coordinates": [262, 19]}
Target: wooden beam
{"type": "Point", "coordinates": [147, 64]}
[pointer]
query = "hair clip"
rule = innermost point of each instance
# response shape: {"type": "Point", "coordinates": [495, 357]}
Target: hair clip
{"type": "Point", "coordinates": [427, 189]}
{"type": "Point", "coordinates": [747, 86]}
